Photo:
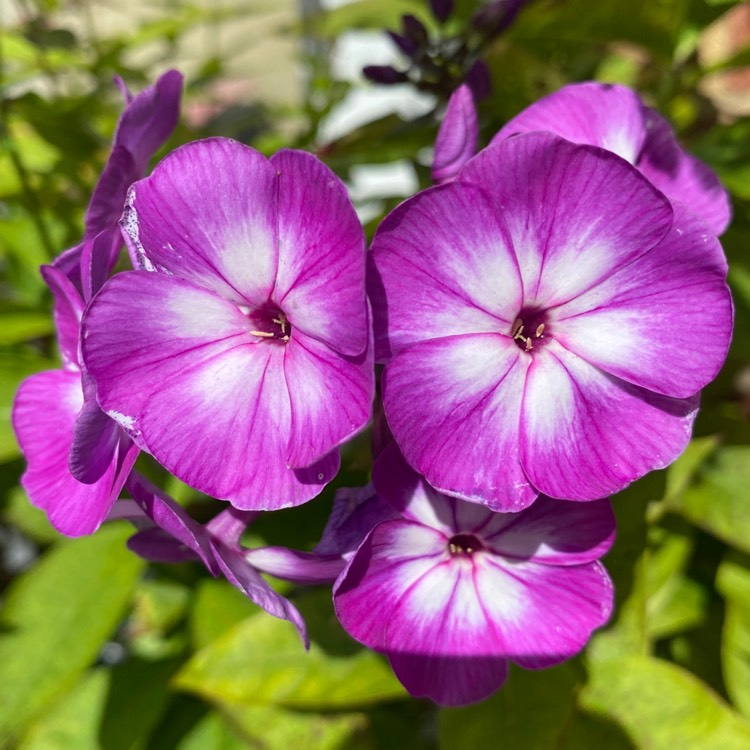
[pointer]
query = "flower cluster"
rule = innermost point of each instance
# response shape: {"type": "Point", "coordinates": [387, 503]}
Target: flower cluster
{"type": "Point", "coordinates": [546, 316]}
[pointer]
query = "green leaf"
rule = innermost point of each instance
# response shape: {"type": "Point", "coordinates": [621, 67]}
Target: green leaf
{"type": "Point", "coordinates": [56, 619]}
{"type": "Point", "coordinates": [733, 581]}
{"type": "Point", "coordinates": [261, 660]}
{"type": "Point", "coordinates": [72, 722]}
{"type": "Point", "coordinates": [212, 732]}
{"type": "Point", "coordinates": [218, 606]}
{"type": "Point", "coordinates": [275, 728]}
{"type": "Point", "coordinates": [16, 327]}
{"type": "Point", "coordinates": [531, 711]}
{"type": "Point", "coordinates": [717, 501]}
{"type": "Point", "coordinates": [662, 707]}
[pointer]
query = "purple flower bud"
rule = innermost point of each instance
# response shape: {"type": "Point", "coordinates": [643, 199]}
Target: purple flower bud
{"type": "Point", "coordinates": [441, 9]}
{"type": "Point", "coordinates": [497, 16]}
{"type": "Point", "coordinates": [415, 29]}
{"type": "Point", "coordinates": [479, 80]}
{"type": "Point", "coordinates": [404, 43]}
{"type": "Point", "coordinates": [385, 74]}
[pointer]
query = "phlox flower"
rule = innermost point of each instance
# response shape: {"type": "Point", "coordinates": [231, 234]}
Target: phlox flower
{"type": "Point", "coordinates": [451, 591]}
{"type": "Point", "coordinates": [547, 320]}
{"type": "Point", "coordinates": [614, 117]}
{"type": "Point", "coordinates": [239, 353]}
{"type": "Point", "coordinates": [145, 124]}
{"type": "Point", "coordinates": [78, 458]}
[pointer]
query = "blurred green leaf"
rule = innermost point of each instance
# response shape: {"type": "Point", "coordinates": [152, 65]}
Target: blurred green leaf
{"type": "Point", "coordinates": [217, 607]}
{"type": "Point", "coordinates": [57, 617]}
{"type": "Point", "coordinates": [158, 605]}
{"type": "Point", "coordinates": [717, 500]}
{"type": "Point", "coordinates": [72, 722]}
{"type": "Point", "coordinates": [212, 732]}
{"type": "Point", "coordinates": [16, 327]}
{"type": "Point", "coordinates": [30, 520]}
{"type": "Point", "coordinates": [261, 660]}
{"type": "Point", "coordinates": [532, 711]}
{"type": "Point", "coordinates": [733, 581]}
{"type": "Point", "coordinates": [275, 728]}
{"type": "Point", "coordinates": [662, 707]}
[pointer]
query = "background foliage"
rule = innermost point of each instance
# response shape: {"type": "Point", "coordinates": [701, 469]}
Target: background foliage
{"type": "Point", "coordinates": [100, 651]}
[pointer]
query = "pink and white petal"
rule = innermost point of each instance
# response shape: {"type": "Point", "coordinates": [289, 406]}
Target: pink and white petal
{"type": "Point", "coordinates": [586, 434]}
{"type": "Point", "coordinates": [98, 258]}
{"type": "Point", "coordinates": [391, 559]}
{"type": "Point", "coordinates": [173, 520]}
{"type": "Point", "coordinates": [331, 397]}
{"type": "Point", "coordinates": [542, 614]}
{"type": "Point", "coordinates": [450, 681]}
{"type": "Point", "coordinates": [453, 405]}
{"type": "Point", "coordinates": [409, 494]}
{"type": "Point", "coordinates": [308, 568]}
{"type": "Point", "coordinates": [44, 412]}
{"type": "Point", "coordinates": [554, 532]}
{"type": "Point", "coordinates": [143, 329]}
{"type": "Point", "coordinates": [356, 511]}
{"type": "Point", "coordinates": [208, 214]}
{"type": "Point", "coordinates": [320, 283]}
{"type": "Point", "coordinates": [222, 425]}
{"type": "Point", "coordinates": [682, 177]}
{"type": "Point", "coordinates": [598, 114]}
{"type": "Point", "coordinates": [150, 117]}
{"type": "Point", "coordinates": [67, 311]}
{"type": "Point", "coordinates": [575, 213]}
{"type": "Point", "coordinates": [643, 325]}
{"type": "Point", "coordinates": [156, 545]}
{"type": "Point", "coordinates": [96, 439]}
{"type": "Point", "coordinates": [442, 264]}
{"type": "Point", "coordinates": [243, 576]}
{"type": "Point", "coordinates": [456, 140]}
{"type": "Point", "coordinates": [108, 199]}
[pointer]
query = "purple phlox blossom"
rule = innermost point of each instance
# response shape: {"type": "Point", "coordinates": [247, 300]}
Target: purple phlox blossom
{"type": "Point", "coordinates": [145, 124]}
{"type": "Point", "coordinates": [451, 591]}
{"type": "Point", "coordinates": [614, 117]}
{"type": "Point", "coordinates": [78, 458]}
{"type": "Point", "coordinates": [456, 140]}
{"type": "Point", "coordinates": [168, 534]}
{"type": "Point", "coordinates": [240, 353]}
{"type": "Point", "coordinates": [547, 320]}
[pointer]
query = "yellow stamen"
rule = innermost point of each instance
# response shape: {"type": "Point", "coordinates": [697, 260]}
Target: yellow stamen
{"type": "Point", "coordinates": [539, 330]}
{"type": "Point", "coordinates": [262, 334]}
{"type": "Point", "coordinates": [529, 344]}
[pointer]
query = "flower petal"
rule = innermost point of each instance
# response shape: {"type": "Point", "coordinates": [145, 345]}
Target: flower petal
{"type": "Point", "coordinates": [243, 576]}
{"type": "Point", "coordinates": [409, 494]}
{"type": "Point", "coordinates": [95, 438]}
{"type": "Point", "coordinates": [308, 568]}
{"type": "Point", "coordinates": [453, 405]}
{"type": "Point", "coordinates": [356, 511]}
{"type": "Point", "coordinates": [320, 283]}
{"type": "Point", "coordinates": [150, 117]}
{"type": "Point", "coordinates": [208, 214]}
{"type": "Point", "coordinates": [108, 199]}
{"type": "Point", "coordinates": [156, 545]}
{"type": "Point", "coordinates": [586, 434]}
{"type": "Point", "coordinates": [331, 397]}
{"type": "Point", "coordinates": [643, 325]}
{"type": "Point", "coordinates": [682, 177]}
{"type": "Point", "coordinates": [67, 312]}
{"type": "Point", "coordinates": [598, 114]}
{"type": "Point", "coordinates": [450, 681]}
{"type": "Point", "coordinates": [393, 556]}
{"type": "Point", "coordinates": [209, 398]}
{"type": "Point", "coordinates": [456, 140]}
{"type": "Point", "coordinates": [441, 264]}
{"type": "Point", "coordinates": [172, 519]}
{"type": "Point", "coordinates": [542, 614]}
{"type": "Point", "coordinates": [554, 532]}
{"type": "Point", "coordinates": [44, 412]}
{"type": "Point", "coordinates": [575, 213]}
